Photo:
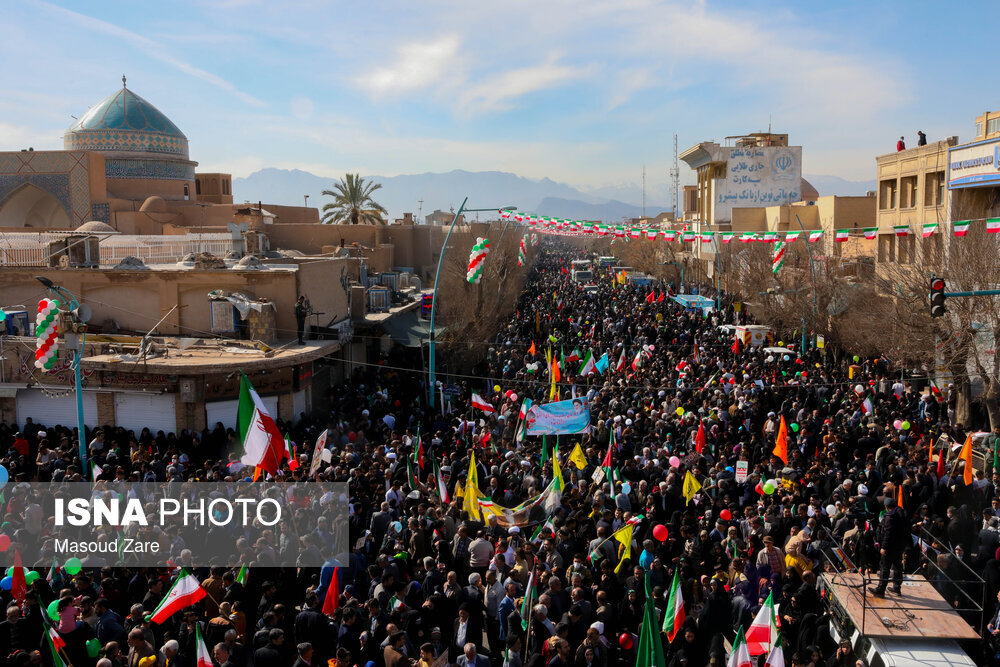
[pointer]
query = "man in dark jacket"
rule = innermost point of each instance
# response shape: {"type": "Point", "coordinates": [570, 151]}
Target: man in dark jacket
{"type": "Point", "coordinates": [893, 539]}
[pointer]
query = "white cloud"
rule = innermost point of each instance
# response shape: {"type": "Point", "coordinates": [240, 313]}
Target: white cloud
{"type": "Point", "coordinates": [497, 92]}
{"type": "Point", "coordinates": [416, 67]}
{"type": "Point", "coordinates": [150, 48]}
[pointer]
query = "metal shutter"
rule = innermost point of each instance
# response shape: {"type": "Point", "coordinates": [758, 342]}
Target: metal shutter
{"type": "Point", "coordinates": [55, 411]}
{"type": "Point", "coordinates": [157, 412]}
{"type": "Point", "coordinates": [225, 411]}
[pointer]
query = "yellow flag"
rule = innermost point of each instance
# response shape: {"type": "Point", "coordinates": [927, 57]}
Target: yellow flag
{"type": "Point", "coordinates": [691, 487]}
{"type": "Point", "coordinates": [459, 493]}
{"type": "Point", "coordinates": [624, 537]}
{"type": "Point", "coordinates": [470, 500]}
{"type": "Point", "coordinates": [556, 468]}
{"type": "Point", "coordinates": [577, 457]}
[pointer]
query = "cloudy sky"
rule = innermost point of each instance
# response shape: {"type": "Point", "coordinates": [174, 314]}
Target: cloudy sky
{"type": "Point", "coordinates": [581, 91]}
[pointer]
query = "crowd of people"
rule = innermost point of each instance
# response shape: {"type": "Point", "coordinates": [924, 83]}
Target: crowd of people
{"type": "Point", "coordinates": [428, 584]}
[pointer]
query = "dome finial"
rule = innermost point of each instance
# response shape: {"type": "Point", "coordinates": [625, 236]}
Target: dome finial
{"type": "Point", "coordinates": [123, 81]}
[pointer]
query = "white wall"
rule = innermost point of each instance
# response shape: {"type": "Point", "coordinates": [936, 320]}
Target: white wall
{"type": "Point", "coordinates": [757, 176]}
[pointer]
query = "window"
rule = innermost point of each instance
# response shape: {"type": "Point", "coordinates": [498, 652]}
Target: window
{"type": "Point", "coordinates": [886, 248]}
{"type": "Point", "coordinates": [197, 186]}
{"type": "Point", "coordinates": [225, 186]}
{"type": "Point", "coordinates": [908, 192]}
{"type": "Point", "coordinates": [993, 125]}
{"type": "Point", "coordinates": [187, 192]}
{"type": "Point", "coordinates": [934, 189]}
{"type": "Point", "coordinates": [941, 188]}
{"type": "Point", "coordinates": [904, 249]}
{"type": "Point", "coordinates": [979, 130]}
{"type": "Point", "coordinates": [934, 249]}
{"type": "Point", "coordinates": [887, 194]}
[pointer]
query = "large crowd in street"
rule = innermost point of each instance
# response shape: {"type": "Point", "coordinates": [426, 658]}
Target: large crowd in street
{"type": "Point", "coordinates": [689, 424]}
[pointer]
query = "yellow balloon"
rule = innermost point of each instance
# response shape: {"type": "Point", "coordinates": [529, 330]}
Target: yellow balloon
{"type": "Point", "coordinates": [496, 387]}
{"type": "Point", "coordinates": [781, 343]}
{"type": "Point", "coordinates": [680, 412]}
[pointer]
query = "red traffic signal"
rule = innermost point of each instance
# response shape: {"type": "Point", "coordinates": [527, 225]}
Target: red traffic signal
{"type": "Point", "coordinates": [937, 285]}
{"type": "Point", "coordinates": [937, 298]}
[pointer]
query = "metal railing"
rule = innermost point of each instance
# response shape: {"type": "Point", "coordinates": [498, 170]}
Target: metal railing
{"type": "Point", "coordinates": [32, 250]}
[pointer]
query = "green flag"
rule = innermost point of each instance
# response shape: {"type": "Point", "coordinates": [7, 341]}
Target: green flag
{"type": "Point", "coordinates": [650, 652]}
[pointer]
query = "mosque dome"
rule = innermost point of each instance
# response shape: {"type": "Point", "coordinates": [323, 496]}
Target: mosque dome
{"type": "Point", "coordinates": [96, 227]}
{"type": "Point", "coordinates": [125, 123]}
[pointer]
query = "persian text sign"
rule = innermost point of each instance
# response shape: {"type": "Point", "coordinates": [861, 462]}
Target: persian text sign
{"type": "Point", "coordinates": [571, 416]}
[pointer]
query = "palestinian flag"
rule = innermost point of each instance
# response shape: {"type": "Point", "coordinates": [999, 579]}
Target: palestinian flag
{"type": "Point", "coordinates": [993, 225]}
{"type": "Point", "coordinates": [870, 233]}
{"type": "Point", "coordinates": [54, 648]}
{"type": "Point", "coordinates": [673, 620]}
{"type": "Point", "coordinates": [539, 533]}
{"type": "Point", "coordinates": [841, 235]}
{"type": "Point", "coordinates": [478, 402]}
{"type": "Point", "coordinates": [727, 236]}
{"type": "Point", "coordinates": [901, 230]}
{"type": "Point", "coordinates": [929, 229]}
{"type": "Point", "coordinates": [961, 227]}
{"type": "Point", "coordinates": [792, 236]}
{"type": "Point", "coordinates": [763, 630]}
{"type": "Point", "coordinates": [588, 367]}
{"type": "Point", "coordinates": [185, 592]}
{"type": "Point", "coordinates": [263, 443]}
{"type": "Point", "coordinates": [815, 236]}
{"type": "Point", "coordinates": [204, 657]}
{"type": "Point", "coordinates": [57, 641]}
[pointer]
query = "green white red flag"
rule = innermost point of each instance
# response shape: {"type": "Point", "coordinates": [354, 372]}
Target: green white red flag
{"type": "Point", "coordinates": [763, 632]}
{"type": "Point", "coordinates": [204, 657]}
{"type": "Point", "coordinates": [993, 225]}
{"type": "Point", "coordinates": [929, 229]}
{"type": "Point", "coordinates": [870, 233]}
{"type": "Point", "coordinates": [263, 444]}
{"type": "Point", "coordinates": [841, 235]}
{"type": "Point", "coordinates": [961, 227]}
{"type": "Point", "coordinates": [740, 657]}
{"type": "Point", "coordinates": [673, 619]}
{"type": "Point", "coordinates": [815, 236]}
{"type": "Point", "coordinates": [185, 592]}
{"type": "Point", "coordinates": [776, 658]}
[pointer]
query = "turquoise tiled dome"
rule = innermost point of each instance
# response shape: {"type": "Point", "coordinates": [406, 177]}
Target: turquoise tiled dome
{"type": "Point", "coordinates": [125, 122]}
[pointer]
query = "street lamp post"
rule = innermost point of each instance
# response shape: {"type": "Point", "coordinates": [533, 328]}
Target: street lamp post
{"type": "Point", "coordinates": [431, 377]}
{"type": "Point", "coordinates": [75, 312]}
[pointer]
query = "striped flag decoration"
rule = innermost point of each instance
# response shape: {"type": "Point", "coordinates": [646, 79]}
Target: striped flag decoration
{"type": "Point", "coordinates": [901, 230]}
{"type": "Point", "coordinates": [727, 236]}
{"type": "Point", "coordinates": [778, 260]}
{"type": "Point", "coordinates": [841, 235]}
{"type": "Point", "coordinates": [961, 227]}
{"type": "Point", "coordinates": [815, 236]}
{"type": "Point", "coordinates": [929, 229]}
{"type": "Point", "coordinates": [870, 233]}
{"type": "Point", "coordinates": [791, 236]}
{"type": "Point", "coordinates": [993, 225]}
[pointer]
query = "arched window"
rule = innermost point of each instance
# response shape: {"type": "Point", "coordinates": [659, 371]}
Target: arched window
{"type": "Point", "coordinates": [187, 192]}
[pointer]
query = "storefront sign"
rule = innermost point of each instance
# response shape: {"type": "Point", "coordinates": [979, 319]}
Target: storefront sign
{"type": "Point", "coordinates": [974, 165]}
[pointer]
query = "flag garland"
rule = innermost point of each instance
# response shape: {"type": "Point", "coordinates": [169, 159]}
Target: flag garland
{"type": "Point", "coordinates": [521, 252]}
{"type": "Point", "coordinates": [778, 259]}
{"type": "Point", "coordinates": [46, 333]}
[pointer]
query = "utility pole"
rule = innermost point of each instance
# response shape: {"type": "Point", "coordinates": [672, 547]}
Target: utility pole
{"type": "Point", "coordinates": [643, 191]}
{"type": "Point", "coordinates": [675, 181]}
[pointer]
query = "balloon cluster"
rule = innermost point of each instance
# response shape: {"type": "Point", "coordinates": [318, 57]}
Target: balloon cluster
{"type": "Point", "coordinates": [46, 337]}
{"type": "Point", "coordinates": [534, 239]}
{"type": "Point", "coordinates": [521, 253]}
{"type": "Point", "coordinates": [476, 259]}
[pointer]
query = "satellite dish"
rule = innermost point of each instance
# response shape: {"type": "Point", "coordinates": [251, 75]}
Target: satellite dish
{"type": "Point", "coordinates": [83, 313]}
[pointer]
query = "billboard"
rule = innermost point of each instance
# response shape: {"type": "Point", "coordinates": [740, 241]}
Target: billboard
{"type": "Point", "coordinates": [974, 165]}
{"type": "Point", "coordinates": [572, 416]}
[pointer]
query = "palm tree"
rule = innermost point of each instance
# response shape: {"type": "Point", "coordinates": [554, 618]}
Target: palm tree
{"type": "Point", "coordinates": [352, 202]}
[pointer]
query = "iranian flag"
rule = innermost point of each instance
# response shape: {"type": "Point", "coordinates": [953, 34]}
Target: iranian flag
{"type": "Point", "coordinates": [529, 592]}
{"type": "Point", "coordinates": [763, 631]}
{"type": "Point", "coordinates": [747, 238]}
{"type": "Point", "coordinates": [993, 225]}
{"type": "Point", "coordinates": [637, 361]}
{"type": "Point", "coordinates": [929, 229]}
{"type": "Point", "coordinates": [574, 355]}
{"type": "Point", "coordinates": [668, 236]}
{"type": "Point", "coordinates": [740, 657]}
{"type": "Point", "coordinates": [588, 367]}
{"type": "Point", "coordinates": [776, 658]}
{"type": "Point", "coordinates": [241, 576]}
{"type": "Point", "coordinates": [841, 235]}
{"type": "Point", "coordinates": [651, 234]}
{"type": "Point", "coordinates": [52, 638]}
{"type": "Point", "coordinates": [815, 236]}
{"type": "Point", "coordinates": [870, 233]}
{"type": "Point", "coordinates": [961, 227]}
{"type": "Point", "coordinates": [688, 237]}
{"type": "Point", "coordinates": [706, 237]}
{"type": "Point", "coordinates": [442, 488]}
{"type": "Point", "coordinates": [262, 441]}
{"type": "Point", "coordinates": [478, 402]}
{"type": "Point", "coordinates": [674, 617]}
{"type": "Point", "coordinates": [56, 638]}
{"type": "Point", "coordinates": [901, 230]}
{"type": "Point", "coordinates": [185, 592]}
{"type": "Point", "coordinates": [791, 236]}
{"type": "Point", "coordinates": [293, 460]}
{"type": "Point", "coordinates": [866, 406]}
{"type": "Point", "coordinates": [525, 406]}
{"type": "Point", "coordinates": [204, 657]}
{"type": "Point", "coordinates": [727, 236]}
{"type": "Point", "coordinates": [770, 237]}
{"type": "Point", "coordinates": [621, 362]}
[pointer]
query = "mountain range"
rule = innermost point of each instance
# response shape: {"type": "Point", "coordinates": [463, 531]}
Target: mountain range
{"type": "Point", "coordinates": [484, 189]}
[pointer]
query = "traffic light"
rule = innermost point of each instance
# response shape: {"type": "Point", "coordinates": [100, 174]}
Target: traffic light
{"type": "Point", "coordinates": [937, 298]}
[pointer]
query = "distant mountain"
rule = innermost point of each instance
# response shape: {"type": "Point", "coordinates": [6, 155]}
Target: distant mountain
{"type": "Point", "coordinates": [445, 191]}
{"type": "Point", "coordinates": [835, 185]}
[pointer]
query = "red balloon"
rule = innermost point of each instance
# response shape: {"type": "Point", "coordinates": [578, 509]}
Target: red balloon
{"type": "Point", "coordinates": [4, 543]}
{"type": "Point", "coordinates": [759, 488]}
{"type": "Point", "coordinates": [660, 532]}
{"type": "Point", "coordinates": [725, 515]}
{"type": "Point", "coordinates": [625, 641]}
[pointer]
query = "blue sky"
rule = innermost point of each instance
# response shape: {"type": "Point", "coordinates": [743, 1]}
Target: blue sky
{"type": "Point", "coordinates": [581, 91]}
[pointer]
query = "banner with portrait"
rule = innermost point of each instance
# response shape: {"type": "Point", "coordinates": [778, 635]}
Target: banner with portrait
{"type": "Point", "coordinates": [561, 417]}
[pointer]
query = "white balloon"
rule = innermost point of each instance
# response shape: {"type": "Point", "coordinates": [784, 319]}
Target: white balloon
{"type": "Point", "coordinates": [831, 509]}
